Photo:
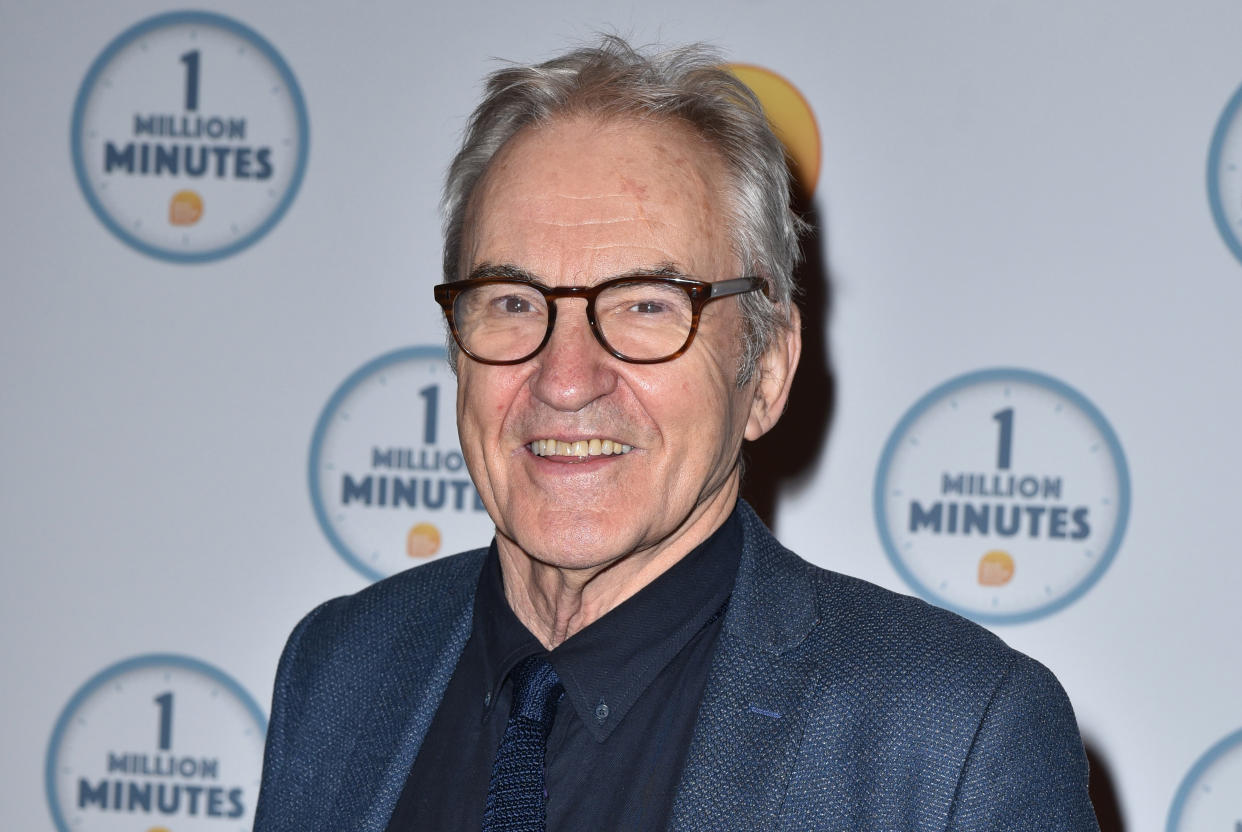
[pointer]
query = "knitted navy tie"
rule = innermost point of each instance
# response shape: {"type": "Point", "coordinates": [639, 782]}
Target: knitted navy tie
{"type": "Point", "coordinates": [515, 796]}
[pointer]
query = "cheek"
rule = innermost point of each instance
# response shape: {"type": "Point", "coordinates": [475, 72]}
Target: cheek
{"type": "Point", "coordinates": [485, 396]}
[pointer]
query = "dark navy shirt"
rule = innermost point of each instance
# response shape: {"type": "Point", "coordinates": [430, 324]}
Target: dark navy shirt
{"type": "Point", "coordinates": [633, 681]}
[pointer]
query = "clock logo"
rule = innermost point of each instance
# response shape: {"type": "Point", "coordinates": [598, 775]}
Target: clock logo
{"type": "Point", "coordinates": [157, 741]}
{"type": "Point", "coordinates": [1003, 495]}
{"type": "Point", "coordinates": [387, 478]}
{"type": "Point", "coordinates": [189, 136]}
{"type": "Point", "coordinates": [1210, 798]}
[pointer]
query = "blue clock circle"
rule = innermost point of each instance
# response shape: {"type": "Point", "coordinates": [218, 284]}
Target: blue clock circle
{"type": "Point", "coordinates": [156, 740]}
{"type": "Point", "coordinates": [1224, 174]}
{"type": "Point", "coordinates": [1210, 796]}
{"type": "Point", "coordinates": [189, 136]}
{"type": "Point", "coordinates": [388, 481]}
{"type": "Point", "coordinates": [1002, 494]}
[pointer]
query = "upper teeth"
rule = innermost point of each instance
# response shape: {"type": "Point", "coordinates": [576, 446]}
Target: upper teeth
{"type": "Point", "coordinates": [581, 448]}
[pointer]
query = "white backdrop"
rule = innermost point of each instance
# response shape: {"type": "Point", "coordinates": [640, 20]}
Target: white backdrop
{"type": "Point", "coordinates": [1016, 185]}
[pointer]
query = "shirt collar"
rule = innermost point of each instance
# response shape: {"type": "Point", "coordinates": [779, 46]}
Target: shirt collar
{"type": "Point", "coordinates": [606, 666]}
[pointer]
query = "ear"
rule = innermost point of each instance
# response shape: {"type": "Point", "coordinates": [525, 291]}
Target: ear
{"type": "Point", "coordinates": [776, 372]}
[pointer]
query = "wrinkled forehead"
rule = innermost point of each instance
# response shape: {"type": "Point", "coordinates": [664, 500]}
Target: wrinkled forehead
{"type": "Point", "coordinates": [582, 193]}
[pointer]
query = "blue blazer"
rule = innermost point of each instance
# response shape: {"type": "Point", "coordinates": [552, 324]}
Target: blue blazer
{"type": "Point", "coordinates": [832, 704]}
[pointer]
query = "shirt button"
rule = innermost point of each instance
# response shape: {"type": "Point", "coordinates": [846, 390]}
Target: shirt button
{"type": "Point", "coordinates": [487, 699]}
{"type": "Point", "coordinates": [601, 711]}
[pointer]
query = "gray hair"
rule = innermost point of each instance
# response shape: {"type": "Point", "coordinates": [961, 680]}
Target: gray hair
{"type": "Point", "coordinates": [688, 83]}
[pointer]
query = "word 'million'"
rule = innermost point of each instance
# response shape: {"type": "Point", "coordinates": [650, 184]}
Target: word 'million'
{"type": "Point", "coordinates": [421, 459]}
{"type": "Point", "coordinates": [163, 765]}
{"type": "Point", "coordinates": [998, 485]}
{"type": "Point", "coordinates": [190, 127]}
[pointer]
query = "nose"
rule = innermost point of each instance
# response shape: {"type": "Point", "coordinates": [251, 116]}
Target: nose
{"type": "Point", "coordinates": [572, 370]}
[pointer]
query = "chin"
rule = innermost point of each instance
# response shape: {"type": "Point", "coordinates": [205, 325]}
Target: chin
{"type": "Point", "coordinates": [578, 539]}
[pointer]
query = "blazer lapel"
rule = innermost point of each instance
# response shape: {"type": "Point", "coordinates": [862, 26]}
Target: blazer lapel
{"type": "Point", "coordinates": [754, 708]}
{"type": "Point", "coordinates": [398, 716]}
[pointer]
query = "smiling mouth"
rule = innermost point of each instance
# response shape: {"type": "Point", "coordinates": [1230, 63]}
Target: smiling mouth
{"type": "Point", "coordinates": [581, 448]}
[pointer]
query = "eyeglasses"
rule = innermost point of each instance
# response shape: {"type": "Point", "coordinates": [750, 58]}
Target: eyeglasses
{"type": "Point", "coordinates": [642, 320]}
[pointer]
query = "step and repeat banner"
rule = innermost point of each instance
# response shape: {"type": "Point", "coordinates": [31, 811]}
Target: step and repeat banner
{"type": "Point", "coordinates": [226, 396]}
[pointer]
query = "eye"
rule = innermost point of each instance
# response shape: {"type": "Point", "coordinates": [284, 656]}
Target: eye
{"type": "Point", "coordinates": [513, 304]}
{"type": "Point", "coordinates": [648, 307]}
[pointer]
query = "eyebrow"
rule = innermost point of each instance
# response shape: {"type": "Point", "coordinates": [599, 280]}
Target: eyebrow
{"type": "Point", "coordinates": [512, 272]}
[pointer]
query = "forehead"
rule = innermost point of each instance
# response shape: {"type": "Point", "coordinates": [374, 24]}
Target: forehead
{"type": "Point", "coordinates": [580, 199]}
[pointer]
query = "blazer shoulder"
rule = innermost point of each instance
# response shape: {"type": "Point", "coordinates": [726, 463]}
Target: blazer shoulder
{"type": "Point", "coordinates": [356, 670]}
{"type": "Point", "coordinates": [841, 622]}
{"type": "Point", "coordinates": [425, 599]}
{"type": "Point", "coordinates": [889, 624]}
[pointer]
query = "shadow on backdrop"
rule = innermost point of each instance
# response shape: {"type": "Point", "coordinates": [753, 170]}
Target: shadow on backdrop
{"type": "Point", "coordinates": [792, 448]}
{"type": "Point", "coordinates": [1103, 794]}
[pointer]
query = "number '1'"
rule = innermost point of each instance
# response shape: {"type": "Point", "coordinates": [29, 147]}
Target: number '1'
{"type": "Point", "coordinates": [165, 701]}
{"type": "Point", "coordinates": [431, 395]}
{"type": "Point", "coordinates": [1004, 443]}
{"type": "Point", "coordinates": [190, 59]}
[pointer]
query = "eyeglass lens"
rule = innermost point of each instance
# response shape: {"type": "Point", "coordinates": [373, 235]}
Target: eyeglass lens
{"type": "Point", "coordinates": [640, 319]}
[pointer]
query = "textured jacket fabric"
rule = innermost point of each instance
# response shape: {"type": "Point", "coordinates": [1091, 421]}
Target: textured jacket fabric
{"type": "Point", "coordinates": [832, 704]}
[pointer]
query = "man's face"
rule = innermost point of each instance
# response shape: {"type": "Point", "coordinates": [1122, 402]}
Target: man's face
{"type": "Point", "coordinates": [573, 203]}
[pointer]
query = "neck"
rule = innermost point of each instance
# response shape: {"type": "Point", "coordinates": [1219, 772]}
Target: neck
{"type": "Point", "coordinates": [555, 602]}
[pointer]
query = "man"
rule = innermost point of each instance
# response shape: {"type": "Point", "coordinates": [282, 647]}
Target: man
{"type": "Point", "coordinates": [635, 651]}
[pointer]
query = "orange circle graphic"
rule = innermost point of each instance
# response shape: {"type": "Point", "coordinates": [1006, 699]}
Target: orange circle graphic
{"type": "Point", "coordinates": [185, 208]}
{"type": "Point", "coordinates": [423, 541]}
{"type": "Point", "coordinates": [996, 568]}
{"type": "Point", "coordinates": [791, 118]}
